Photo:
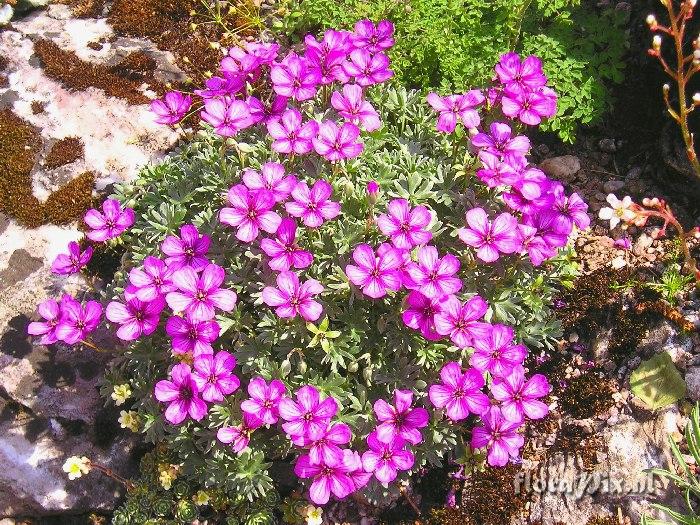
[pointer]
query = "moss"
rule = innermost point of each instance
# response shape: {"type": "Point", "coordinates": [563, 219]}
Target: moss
{"type": "Point", "coordinates": [64, 152]}
{"type": "Point", "coordinates": [70, 202]}
{"type": "Point", "coordinates": [37, 107]}
{"type": "Point", "coordinates": [135, 66]}
{"type": "Point", "coordinates": [573, 440]}
{"type": "Point", "coordinates": [3, 63]}
{"type": "Point", "coordinates": [4, 82]}
{"type": "Point", "coordinates": [588, 395]}
{"type": "Point", "coordinates": [87, 8]}
{"type": "Point", "coordinates": [77, 74]}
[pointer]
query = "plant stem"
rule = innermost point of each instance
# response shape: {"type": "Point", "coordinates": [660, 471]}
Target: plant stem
{"type": "Point", "coordinates": [110, 473]}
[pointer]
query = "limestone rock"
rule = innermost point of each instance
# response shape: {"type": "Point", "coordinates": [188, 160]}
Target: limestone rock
{"type": "Point", "coordinates": [563, 168]}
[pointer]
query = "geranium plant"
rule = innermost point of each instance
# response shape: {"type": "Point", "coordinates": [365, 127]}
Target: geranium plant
{"type": "Point", "coordinates": [333, 278]}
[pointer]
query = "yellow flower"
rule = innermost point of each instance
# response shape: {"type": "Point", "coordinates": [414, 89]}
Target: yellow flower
{"type": "Point", "coordinates": [130, 420]}
{"type": "Point", "coordinates": [201, 498]}
{"type": "Point", "coordinates": [76, 466]}
{"type": "Point", "coordinates": [314, 515]}
{"type": "Point", "coordinates": [168, 474]}
{"type": "Point", "coordinates": [121, 394]}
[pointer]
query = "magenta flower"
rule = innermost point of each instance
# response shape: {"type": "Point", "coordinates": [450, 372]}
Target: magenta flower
{"type": "Point", "coordinates": [51, 312]}
{"type": "Point", "coordinates": [312, 205]}
{"type": "Point", "coordinates": [77, 321]}
{"type": "Point", "coordinates": [336, 143]}
{"type": "Point", "coordinates": [499, 141]}
{"type": "Point", "coordinates": [375, 274]}
{"type": "Point", "coordinates": [291, 298]}
{"type": "Point", "coordinates": [572, 210]}
{"type": "Point", "coordinates": [432, 276]}
{"type": "Point", "coordinates": [109, 224]}
{"type": "Point", "coordinates": [136, 317]}
{"type": "Point", "coordinates": [192, 337]}
{"type": "Point", "coordinates": [283, 251]}
{"type": "Point", "coordinates": [420, 314]}
{"type": "Point", "coordinates": [227, 116]}
{"type": "Point", "coordinates": [327, 58]}
{"type": "Point", "coordinates": [401, 419]}
{"type": "Point", "coordinates": [187, 250]}
{"type": "Point", "coordinates": [214, 377]}
{"type": "Point", "coordinates": [73, 261]}
{"type": "Point", "coordinates": [308, 416]}
{"type": "Point", "coordinates": [407, 227]}
{"type": "Point", "coordinates": [264, 399]}
{"type": "Point", "coordinates": [460, 392]}
{"type": "Point", "coordinates": [221, 87]}
{"type": "Point", "coordinates": [529, 107]}
{"type": "Point", "coordinates": [461, 321]}
{"type": "Point", "coordinates": [357, 474]}
{"type": "Point", "coordinates": [271, 177]}
{"type": "Point", "coordinates": [535, 246]}
{"type": "Point", "coordinates": [495, 352]}
{"type": "Point", "coordinates": [251, 211]}
{"type": "Point", "coordinates": [491, 238]}
{"type": "Point", "coordinates": [200, 294]}
{"type": "Point", "coordinates": [324, 448]}
{"type": "Point", "coordinates": [495, 171]}
{"type": "Point", "coordinates": [373, 38]}
{"type": "Point", "coordinates": [526, 75]}
{"type": "Point", "coordinates": [327, 478]}
{"type": "Point", "coordinates": [351, 106]}
{"type": "Point", "coordinates": [368, 69]}
{"type": "Point", "coordinates": [182, 394]}
{"type": "Point", "coordinates": [294, 78]}
{"type": "Point", "coordinates": [549, 227]}
{"type": "Point", "coordinates": [373, 191]}
{"type": "Point", "coordinates": [171, 108]}
{"type": "Point", "coordinates": [154, 280]}
{"type": "Point", "coordinates": [239, 436]}
{"type": "Point", "coordinates": [457, 107]}
{"type": "Point", "coordinates": [499, 436]}
{"type": "Point", "coordinates": [289, 135]}
{"type": "Point", "coordinates": [386, 459]}
{"type": "Point", "coordinates": [519, 397]}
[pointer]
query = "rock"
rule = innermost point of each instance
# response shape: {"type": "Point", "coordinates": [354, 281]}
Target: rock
{"type": "Point", "coordinates": [633, 174]}
{"type": "Point", "coordinates": [692, 381]}
{"type": "Point", "coordinates": [563, 168]}
{"type": "Point", "coordinates": [613, 186]}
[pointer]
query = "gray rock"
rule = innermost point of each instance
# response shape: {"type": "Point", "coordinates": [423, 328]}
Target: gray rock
{"type": "Point", "coordinates": [613, 186]}
{"type": "Point", "coordinates": [692, 380]}
{"type": "Point", "coordinates": [563, 168]}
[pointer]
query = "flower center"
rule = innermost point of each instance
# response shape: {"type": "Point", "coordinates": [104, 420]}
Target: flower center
{"type": "Point", "coordinates": [201, 295]}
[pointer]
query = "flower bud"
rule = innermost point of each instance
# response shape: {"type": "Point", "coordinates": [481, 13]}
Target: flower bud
{"type": "Point", "coordinates": [372, 192]}
{"type": "Point", "coordinates": [646, 201]}
{"type": "Point", "coordinates": [656, 42]}
{"type": "Point", "coordinates": [302, 366]}
{"type": "Point", "coordinates": [214, 45]}
{"type": "Point", "coordinates": [285, 367]}
{"type": "Point", "coordinates": [651, 21]}
{"type": "Point", "coordinates": [367, 374]}
{"type": "Point", "coordinates": [193, 26]}
{"type": "Point", "coordinates": [353, 367]}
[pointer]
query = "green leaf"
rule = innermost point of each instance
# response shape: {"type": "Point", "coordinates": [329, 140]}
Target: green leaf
{"type": "Point", "coordinates": [657, 382]}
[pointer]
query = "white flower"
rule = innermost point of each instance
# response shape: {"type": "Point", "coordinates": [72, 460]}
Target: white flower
{"type": "Point", "coordinates": [314, 515]}
{"type": "Point", "coordinates": [201, 498]}
{"type": "Point", "coordinates": [121, 394]}
{"type": "Point", "coordinates": [619, 211]}
{"type": "Point", "coordinates": [76, 466]}
{"type": "Point", "coordinates": [130, 420]}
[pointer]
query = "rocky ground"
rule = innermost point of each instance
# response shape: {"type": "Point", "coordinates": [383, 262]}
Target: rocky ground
{"type": "Point", "coordinates": [591, 453]}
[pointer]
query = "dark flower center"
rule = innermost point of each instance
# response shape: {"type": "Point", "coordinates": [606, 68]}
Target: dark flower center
{"type": "Point", "coordinates": [186, 393]}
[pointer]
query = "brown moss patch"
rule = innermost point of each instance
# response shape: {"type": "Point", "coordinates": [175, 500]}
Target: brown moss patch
{"type": "Point", "coordinates": [77, 74]}
{"type": "Point", "coordinates": [64, 152]}
{"type": "Point", "coordinates": [588, 395]}
{"type": "Point", "coordinates": [4, 82]}
{"type": "Point", "coordinates": [573, 440]}
{"type": "Point", "coordinates": [70, 202]}
{"type": "Point", "coordinates": [135, 66]}
{"type": "Point", "coordinates": [97, 46]}
{"type": "Point", "coordinates": [37, 107]}
{"type": "Point", "coordinates": [87, 8]}
{"type": "Point", "coordinates": [3, 63]}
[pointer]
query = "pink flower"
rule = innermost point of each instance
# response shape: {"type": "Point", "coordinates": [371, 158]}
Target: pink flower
{"type": "Point", "coordinates": [136, 317]}
{"type": "Point", "coordinates": [308, 416]}
{"type": "Point", "coordinates": [77, 321]}
{"type": "Point", "coordinates": [373, 39]}
{"type": "Point", "coordinates": [401, 419]}
{"type": "Point", "coordinates": [499, 436]}
{"type": "Point", "coordinates": [460, 393]}
{"type": "Point", "coordinates": [187, 250]}
{"type": "Point", "coordinates": [526, 75]}
{"type": "Point", "coordinates": [200, 294]}
{"type": "Point", "coordinates": [73, 261]}
{"type": "Point", "coordinates": [294, 78]}
{"type": "Point", "coordinates": [386, 459]}
{"type": "Point", "coordinates": [283, 251]}
{"type": "Point", "coordinates": [407, 227]}
{"type": "Point", "coordinates": [192, 337]}
{"type": "Point", "coordinates": [495, 171]}
{"type": "Point", "coordinates": [291, 298]}
{"type": "Point", "coordinates": [227, 116]}
{"type": "Point", "coordinates": [420, 314]}
{"type": "Point", "coordinates": [491, 238]}
{"type": "Point", "coordinates": [214, 376]}
{"type": "Point", "coordinates": [336, 143]}
{"type": "Point", "coordinates": [454, 107]}
{"type": "Point", "coordinates": [373, 191]}
{"type": "Point", "coordinates": [312, 205]}
{"type": "Point", "coordinates": [460, 321]}
{"type": "Point", "coordinates": [51, 313]}
{"type": "Point", "coordinates": [432, 276]}
{"type": "Point", "coordinates": [529, 107]}
{"type": "Point", "coordinates": [327, 478]}
{"type": "Point", "coordinates": [251, 211]}
{"type": "Point", "coordinates": [368, 69]}
{"type": "Point", "coordinates": [328, 57]}
{"type": "Point", "coordinates": [350, 105]}
{"type": "Point", "coordinates": [500, 142]}
{"type": "Point", "coordinates": [221, 87]}
{"type": "Point", "coordinates": [171, 108]}
{"type": "Point", "coordinates": [572, 210]}
{"type": "Point", "coordinates": [154, 280]}
{"type": "Point", "coordinates": [109, 224]}
{"type": "Point", "coordinates": [182, 394]}
{"type": "Point", "coordinates": [289, 135]}
{"type": "Point", "coordinates": [375, 274]}
{"type": "Point", "coordinates": [264, 399]}
{"type": "Point", "coordinates": [324, 448]}
{"type": "Point", "coordinates": [519, 397]}
{"type": "Point", "coordinates": [271, 177]}
{"type": "Point", "coordinates": [358, 475]}
{"type": "Point", "coordinates": [495, 352]}
{"type": "Point", "coordinates": [239, 436]}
